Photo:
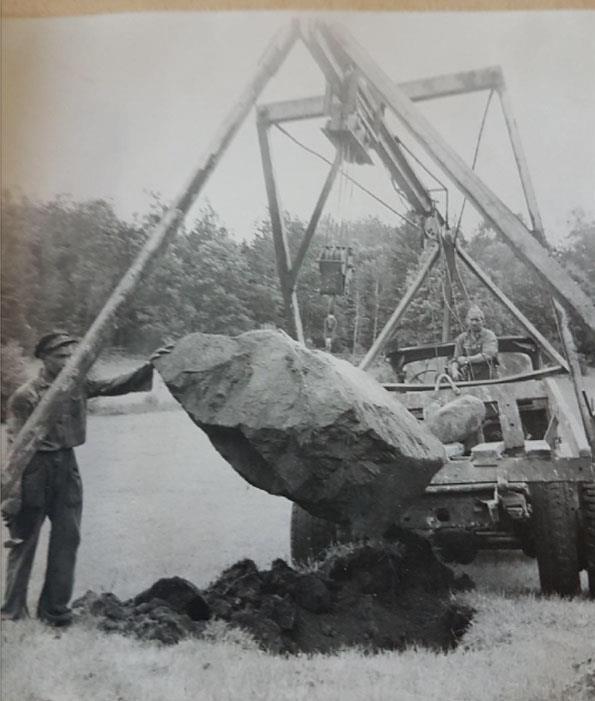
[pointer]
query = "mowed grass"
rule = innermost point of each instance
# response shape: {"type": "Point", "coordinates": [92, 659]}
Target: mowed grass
{"type": "Point", "coordinates": [159, 501]}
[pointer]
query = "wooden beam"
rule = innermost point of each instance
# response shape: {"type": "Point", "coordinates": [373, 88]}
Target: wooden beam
{"type": "Point", "coordinates": [395, 161]}
{"type": "Point", "coordinates": [574, 442]}
{"type": "Point", "coordinates": [36, 427]}
{"type": "Point", "coordinates": [486, 202]}
{"type": "Point", "coordinates": [450, 263]}
{"type": "Point", "coordinates": [326, 62]}
{"type": "Point", "coordinates": [416, 91]}
{"type": "Point", "coordinates": [315, 218]}
{"type": "Point", "coordinates": [282, 254]}
{"type": "Point", "coordinates": [390, 327]}
{"type": "Point", "coordinates": [575, 374]}
{"type": "Point", "coordinates": [532, 330]}
{"type": "Point", "coordinates": [510, 418]}
{"type": "Point", "coordinates": [294, 110]}
{"type": "Point", "coordinates": [522, 165]}
{"type": "Point", "coordinates": [447, 305]}
{"type": "Point", "coordinates": [453, 84]}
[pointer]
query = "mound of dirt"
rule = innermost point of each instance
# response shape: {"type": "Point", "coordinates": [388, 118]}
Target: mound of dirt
{"type": "Point", "coordinates": [375, 596]}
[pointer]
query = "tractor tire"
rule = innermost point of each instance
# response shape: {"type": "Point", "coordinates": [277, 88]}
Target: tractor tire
{"type": "Point", "coordinates": [556, 528]}
{"type": "Point", "coordinates": [588, 540]}
{"type": "Point", "coordinates": [310, 536]}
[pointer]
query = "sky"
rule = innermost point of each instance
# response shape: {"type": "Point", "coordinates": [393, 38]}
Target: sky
{"type": "Point", "coordinates": [123, 106]}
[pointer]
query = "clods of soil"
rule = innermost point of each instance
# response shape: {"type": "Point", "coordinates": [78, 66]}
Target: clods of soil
{"type": "Point", "coordinates": [374, 596]}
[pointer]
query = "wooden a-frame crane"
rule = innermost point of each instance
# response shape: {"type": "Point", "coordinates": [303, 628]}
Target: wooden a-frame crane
{"type": "Point", "coordinates": [358, 95]}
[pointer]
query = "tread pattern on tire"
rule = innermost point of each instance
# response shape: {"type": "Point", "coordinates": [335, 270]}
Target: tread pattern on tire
{"type": "Point", "coordinates": [555, 524]}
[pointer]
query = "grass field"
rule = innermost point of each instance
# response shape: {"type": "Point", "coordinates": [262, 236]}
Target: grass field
{"type": "Point", "coordinates": [159, 501]}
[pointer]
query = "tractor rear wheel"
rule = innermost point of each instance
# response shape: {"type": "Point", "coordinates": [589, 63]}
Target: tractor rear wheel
{"type": "Point", "coordinates": [588, 540]}
{"type": "Point", "coordinates": [310, 536]}
{"type": "Point", "coordinates": [555, 525]}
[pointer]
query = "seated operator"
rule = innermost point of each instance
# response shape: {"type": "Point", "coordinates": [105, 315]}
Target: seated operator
{"type": "Point", "coordinates": [476, 350]}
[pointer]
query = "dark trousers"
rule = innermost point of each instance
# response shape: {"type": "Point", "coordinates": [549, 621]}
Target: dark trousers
{"type": "Point", "coordinates": [51, 486]}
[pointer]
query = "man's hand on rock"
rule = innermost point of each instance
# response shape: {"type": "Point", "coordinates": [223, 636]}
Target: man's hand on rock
{"type": "Point", "coordinates": [160, 352]}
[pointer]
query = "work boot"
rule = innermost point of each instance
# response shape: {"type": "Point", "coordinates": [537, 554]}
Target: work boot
{"type": "Point", "coordinates": [19, 615]}
{"type": "Point", "coordinates": [58, 619]}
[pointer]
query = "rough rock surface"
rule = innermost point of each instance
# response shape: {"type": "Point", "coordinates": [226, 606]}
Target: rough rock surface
{"type": "Point", "coordinates": [304, 425]}
{"type": "Point", "coordinates": [457, 420]}
{"type": "Point", "coordinates": [377, 597]}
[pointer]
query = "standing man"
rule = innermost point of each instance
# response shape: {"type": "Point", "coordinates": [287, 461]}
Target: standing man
{"type": "Point", "coordinates": [476, 350]}
{"type": "Point", "coordinates": [51, 484]}
{"type": "Point", "coordinates": [330, 328]}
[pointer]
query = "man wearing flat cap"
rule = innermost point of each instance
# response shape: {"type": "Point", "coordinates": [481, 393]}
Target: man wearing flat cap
{"type": "Point", "coordinates": [51, 484]}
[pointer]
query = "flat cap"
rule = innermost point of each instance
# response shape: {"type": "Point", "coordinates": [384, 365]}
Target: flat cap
{"type": "Point", "coordinates": [51, 341]}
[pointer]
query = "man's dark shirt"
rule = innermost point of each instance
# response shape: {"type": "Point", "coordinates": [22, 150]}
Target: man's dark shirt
{"type": "Point", "coordinates": [69, 427]}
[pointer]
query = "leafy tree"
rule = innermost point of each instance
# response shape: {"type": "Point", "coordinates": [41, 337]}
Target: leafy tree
{"type": "Point", "coordinates": [18, 278]}
{"type": "Point", "coordinates": [61, 260]}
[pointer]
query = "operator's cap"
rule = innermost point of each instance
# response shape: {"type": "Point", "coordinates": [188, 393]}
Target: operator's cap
{"type": "Point", "coordinates": [51, 341]}
{"type": "Point", "coordinates": [475, 310]}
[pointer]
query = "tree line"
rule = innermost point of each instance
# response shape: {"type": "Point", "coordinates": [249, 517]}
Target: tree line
{"type": "Point", "coordinates": [62, 258]}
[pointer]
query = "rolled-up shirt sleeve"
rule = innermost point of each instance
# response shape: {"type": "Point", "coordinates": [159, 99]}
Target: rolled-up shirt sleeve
{"type": "Point", "coordinates": [139, 380]}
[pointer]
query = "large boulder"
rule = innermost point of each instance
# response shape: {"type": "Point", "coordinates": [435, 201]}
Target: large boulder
{"type": "Point", "coordinates": [305, 425]}
{"type": "Point", "coordinates": [455, 421]}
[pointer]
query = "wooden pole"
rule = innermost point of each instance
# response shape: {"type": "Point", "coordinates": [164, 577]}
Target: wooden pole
{"type": "Point", "coordinates": [512, 308]}
{"type": "Point", "coordinates": [522, 166]}
{"type": "Point", "coordinates": [315, 218]}
{"type": "Point", "coordinates": [452, 276]}
{"type": "Point", "coordinates": [391, 324]}
{"type": "Point", "coordinates": [376, 307]}
{"type": "Point", "coordinates": [355, 326]}
{"type": "Point", "coordinates": [575, 374]}
{"type": "Point", "coordinates": [36, 427]}
{"type": "Point", "coordinates": [447, 303]}
{"type": "Point", "coordinates": [282, 254]}
{"type": "Point", "coordinates": [493, 209]}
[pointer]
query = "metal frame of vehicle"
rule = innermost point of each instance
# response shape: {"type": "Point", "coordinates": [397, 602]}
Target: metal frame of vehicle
{"type": "Point", "coordinates": [487, 492]}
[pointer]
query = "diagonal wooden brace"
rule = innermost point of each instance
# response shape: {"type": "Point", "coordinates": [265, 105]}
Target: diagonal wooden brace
{"type": "Point", "coordinates": [35, 429]}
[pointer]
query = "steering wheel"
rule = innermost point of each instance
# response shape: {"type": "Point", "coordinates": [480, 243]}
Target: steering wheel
{"type": "Point", "coordinates": [418, 375]}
